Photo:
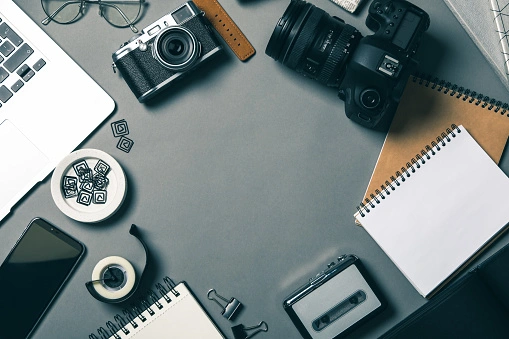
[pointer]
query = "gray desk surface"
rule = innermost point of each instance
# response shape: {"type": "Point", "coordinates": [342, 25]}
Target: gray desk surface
{"type": "Point", "coordinates": [244, 177]}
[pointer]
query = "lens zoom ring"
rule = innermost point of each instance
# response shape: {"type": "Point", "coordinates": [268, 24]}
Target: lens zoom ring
{"type": "Point", "coordinates": [338, 53]}
{"type": "Point", "coordinates": [304, 38]}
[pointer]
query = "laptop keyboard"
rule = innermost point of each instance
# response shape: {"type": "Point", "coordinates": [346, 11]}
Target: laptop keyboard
{"type": "Point", "coordinates": [13, 53]}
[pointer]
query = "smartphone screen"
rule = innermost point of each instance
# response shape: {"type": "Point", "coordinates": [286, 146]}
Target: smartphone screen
{"type": "Point", "coordinates": [32, 274]}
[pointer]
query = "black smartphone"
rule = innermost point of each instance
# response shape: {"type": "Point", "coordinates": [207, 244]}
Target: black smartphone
{"type": "Point", "coordinates": [32, 274]}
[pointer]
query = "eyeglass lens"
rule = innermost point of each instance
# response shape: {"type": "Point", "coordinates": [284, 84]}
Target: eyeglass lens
{"type": "Point", "coordinates": [62, 11]}
{"type": "Point", "coordinates": [120, 13]}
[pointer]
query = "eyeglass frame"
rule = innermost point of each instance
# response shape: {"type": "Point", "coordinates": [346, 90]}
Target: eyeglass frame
{"type": "Point", "coordinates": [101, 3]}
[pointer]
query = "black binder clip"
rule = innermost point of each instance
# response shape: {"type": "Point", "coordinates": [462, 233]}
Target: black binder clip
{"type": "Point", "coordinates": [232, 307]}
{"type": "Point", "coordinates": [241, 332]}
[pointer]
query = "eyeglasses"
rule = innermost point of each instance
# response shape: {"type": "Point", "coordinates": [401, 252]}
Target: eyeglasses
{"type": "Point", "coordinates": [118, 13]}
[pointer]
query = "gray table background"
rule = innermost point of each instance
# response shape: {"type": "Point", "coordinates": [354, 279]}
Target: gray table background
{"type": "Point", "coordinates": [244, 177]}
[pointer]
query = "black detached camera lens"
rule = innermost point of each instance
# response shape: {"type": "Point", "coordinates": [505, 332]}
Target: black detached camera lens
{"type": "Point", "coordinates": [310, 41]}
{"type": "Point", "coordinates": [176, 48]}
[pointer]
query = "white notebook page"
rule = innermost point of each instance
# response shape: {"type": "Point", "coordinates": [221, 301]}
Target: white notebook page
{"type": "Point", "coordinates": [183, 317]}
{"type": "Point", "coordinates": [443, 214]}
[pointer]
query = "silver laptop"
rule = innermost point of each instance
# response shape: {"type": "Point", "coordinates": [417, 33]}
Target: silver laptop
{"type": "Point", "coordinates": [49, 105]}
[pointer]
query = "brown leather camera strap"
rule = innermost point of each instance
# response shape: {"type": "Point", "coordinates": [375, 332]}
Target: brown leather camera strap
{"type": "Point", "coordinates": [227, 28]}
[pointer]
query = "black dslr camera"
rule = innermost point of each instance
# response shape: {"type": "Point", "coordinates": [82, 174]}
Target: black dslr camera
{"type": "Point", "coordinates": [371, 72]}
{"type": "Point", "coordinates": [166, 50]}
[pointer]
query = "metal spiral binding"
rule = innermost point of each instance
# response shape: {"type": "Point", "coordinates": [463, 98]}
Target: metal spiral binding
{"type": "Point", "coordinates": [145, 304]}
{"type": "Point", "coordinates": [155, 300]}
{"type": "Point", "coordinates": [113, 329]}
{"type": "Point", "coordinates": [462, 93]}
{"type": "Point", "coordinates": [130, 317]}
{"type": "Point", "coordinates": [121, 323]}
{"type": "Point", "coordinates": [163, 291]}
{"type": "Point", "coordinates": [171, 286]}
{"type": "Point", "coordinates": [133, 314]}
{"type": "Point", "coordinates": [407, 171]}
{"type": "Point", "coordinates": [137, 312]}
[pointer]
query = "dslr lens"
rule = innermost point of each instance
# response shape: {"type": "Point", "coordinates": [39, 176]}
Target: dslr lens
{"type": "Point", "coordinates": [313, 43]}
{"type": "Point", "coordinates": [176, 48]}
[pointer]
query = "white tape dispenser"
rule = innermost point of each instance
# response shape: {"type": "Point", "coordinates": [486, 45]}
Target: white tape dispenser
{"type": "Point", "coordinates": [114, 278]}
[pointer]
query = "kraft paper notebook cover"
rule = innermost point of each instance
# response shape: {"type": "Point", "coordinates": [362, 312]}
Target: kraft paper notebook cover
{"type": "Point", "coordinates": [425, 108]}
{"type": "Point", "coordinates": [436, 215]}
{"type": "Point", "coordinates": [172, 313]}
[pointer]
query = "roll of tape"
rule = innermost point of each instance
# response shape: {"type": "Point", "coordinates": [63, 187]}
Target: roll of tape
{"type": "Point", "coordinates": [113, 277]}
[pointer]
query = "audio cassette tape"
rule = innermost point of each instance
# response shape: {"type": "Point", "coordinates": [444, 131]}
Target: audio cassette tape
{"type": "Point", "coordinates": [335, 302]}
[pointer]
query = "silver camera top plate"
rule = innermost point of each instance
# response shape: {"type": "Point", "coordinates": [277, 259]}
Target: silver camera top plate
{"type": "Point", "coordinates": [176, 17]}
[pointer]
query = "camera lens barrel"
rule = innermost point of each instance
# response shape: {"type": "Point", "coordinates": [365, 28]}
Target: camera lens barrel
{"type": "Point", "coordinates": [303, 39]}
{"type": "Point", "coordinates": [313, 43]}
{"type": "Point", "coordinates": [287, 29]}
{"type": "Point", "coordinates": [338, 56]}
{"type": "Point", "coordinates": [176, 48]}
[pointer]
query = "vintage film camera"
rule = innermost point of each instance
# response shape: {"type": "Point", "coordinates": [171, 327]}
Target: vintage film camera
{"type": "Point", "coordinates": [166, 50]}
{"type": "Point", "coordinates": [335, 302]}
{"type": "Point", "coordinates": [371, 72]}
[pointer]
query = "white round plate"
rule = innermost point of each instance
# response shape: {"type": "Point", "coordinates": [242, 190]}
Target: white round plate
{"type": "Point", "coordinates": [94, 212]}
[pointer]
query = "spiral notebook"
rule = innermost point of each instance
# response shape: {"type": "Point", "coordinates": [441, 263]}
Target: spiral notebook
{"type": "Point", "coordinates": [173, 313]}
{"type": "Point", "coordinates": [479, 19]}
{"type": "Point", "coordinates": [427, 106]}
{"type": "Point", "coordinates": [439, 211]}
{"type": "Point", "coordinates": [500, 9]}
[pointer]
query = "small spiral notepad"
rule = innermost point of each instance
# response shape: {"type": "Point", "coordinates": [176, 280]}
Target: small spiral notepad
{"type": "Point", "coordinates": [174, 313]}
{"type": "Point", "coordinates": [441, 209]}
